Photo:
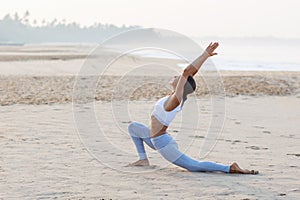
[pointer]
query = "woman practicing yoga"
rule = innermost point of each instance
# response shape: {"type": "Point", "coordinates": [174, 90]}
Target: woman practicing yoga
{"type": "Point", "coordinates": [164, 112]}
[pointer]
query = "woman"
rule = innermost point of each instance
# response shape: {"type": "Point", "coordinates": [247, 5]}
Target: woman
{"type": "Point", "coordinates": [164, 112]}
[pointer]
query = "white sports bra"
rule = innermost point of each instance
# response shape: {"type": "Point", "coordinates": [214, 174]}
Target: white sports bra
{"type": "Point", "coordinates": [162, 115]}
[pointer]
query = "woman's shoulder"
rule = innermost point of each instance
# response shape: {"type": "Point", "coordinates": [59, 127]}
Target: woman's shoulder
{"type": "Point", "coordinates": [163, 99]}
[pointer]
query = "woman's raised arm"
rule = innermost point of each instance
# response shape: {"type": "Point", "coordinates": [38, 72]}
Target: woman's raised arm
{"type": "Point", "coordinates": [194, 67]}
{"type": "Point", "coordinates": [175, 99]}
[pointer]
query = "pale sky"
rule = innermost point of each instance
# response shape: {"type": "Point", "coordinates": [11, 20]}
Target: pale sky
{"type": "Point", "coordinates": [224, 18]}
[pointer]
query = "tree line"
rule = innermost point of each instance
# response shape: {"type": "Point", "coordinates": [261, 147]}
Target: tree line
{"type": "Point", "coordinates": [15, 29]}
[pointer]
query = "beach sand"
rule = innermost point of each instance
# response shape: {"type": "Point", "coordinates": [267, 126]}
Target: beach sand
{"type": "Point", "coordinates": [45, 155]}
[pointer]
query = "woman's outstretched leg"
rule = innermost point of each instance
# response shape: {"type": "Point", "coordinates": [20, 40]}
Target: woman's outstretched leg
{"type": "Point", "coordinates": [206, 166]}
{"type": "Point", "coordinates": [168, 148]}
{"type": "Point", "coordinates": [200, 166]}
{"type": "Point", "coordinates": [140, 134]}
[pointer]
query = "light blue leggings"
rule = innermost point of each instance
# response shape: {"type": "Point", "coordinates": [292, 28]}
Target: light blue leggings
{"type": "Point", "coordinates": [168, 148]}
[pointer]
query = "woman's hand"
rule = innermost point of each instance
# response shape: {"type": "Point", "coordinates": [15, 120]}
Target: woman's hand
{"type": "Point", "coordinates": [211, 48]}
{"type": "Point", "coordinates": [194, 67]}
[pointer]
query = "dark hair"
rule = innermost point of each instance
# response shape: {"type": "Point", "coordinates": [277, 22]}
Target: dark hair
{"type": "Point", "coordinates": [189, 87]}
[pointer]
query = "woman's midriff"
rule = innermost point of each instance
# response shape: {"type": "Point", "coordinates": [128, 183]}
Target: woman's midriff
{"type": "Point", "coordinates": [157, 128]}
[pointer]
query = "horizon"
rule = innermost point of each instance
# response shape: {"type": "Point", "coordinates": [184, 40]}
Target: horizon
{"type": "Point", "coordinates": [33, 23]}
{"type": "Point", "coordinates": [230, 19]}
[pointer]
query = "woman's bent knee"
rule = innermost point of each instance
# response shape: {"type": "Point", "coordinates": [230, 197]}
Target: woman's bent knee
{"type": "Point", "coordinates": [131, 127]}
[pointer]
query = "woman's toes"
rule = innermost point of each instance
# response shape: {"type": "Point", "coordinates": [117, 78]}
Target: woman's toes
{"type": "Point", "coordinates": [254, 172]}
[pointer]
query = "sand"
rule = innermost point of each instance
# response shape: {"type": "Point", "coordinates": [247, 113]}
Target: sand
{"type": "Point", "coordinates": [59, 89]}
{"type": "Point", "coordinates": [43, 155]}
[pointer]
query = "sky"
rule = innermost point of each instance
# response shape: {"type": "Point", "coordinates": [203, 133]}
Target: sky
{"type": "Point", "coordinates": [196, 18]}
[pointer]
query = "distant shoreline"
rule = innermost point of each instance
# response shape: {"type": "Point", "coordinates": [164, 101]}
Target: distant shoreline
{"type": "Point", "coordinates": [19, 52]}
{"type": "Point", "coordinates": [11, 44]}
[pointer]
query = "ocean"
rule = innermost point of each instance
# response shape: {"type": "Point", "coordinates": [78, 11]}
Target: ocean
{"type": "Point", "coordinates": [246, 54]}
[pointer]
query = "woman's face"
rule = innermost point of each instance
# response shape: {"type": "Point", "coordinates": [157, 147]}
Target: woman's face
{"type": "Point", "coordinates": [173, 82]}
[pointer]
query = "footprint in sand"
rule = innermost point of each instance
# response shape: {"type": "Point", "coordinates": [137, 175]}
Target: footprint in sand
{"type": "Point", "coordinates": [126, 122]}
{"type": "Point", "coordinates": [256, 148]}
{"type": "Point", "coordinates": [259, 127]}
{"type": "Point", "coordinates": [231, 119]}
{"type": "Point", "coordinates": [293, 154]}
{"type": "Point", "coordinates": [238, 141]}
{"type": "Point", "coordinates": [289, 136]}
{"type": "Point", "coordinates": [268, 132]}
{"type": "Point", "coordinates": [197, 136]}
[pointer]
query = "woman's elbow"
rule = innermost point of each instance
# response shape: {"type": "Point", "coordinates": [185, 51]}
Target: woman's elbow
{"type": "Point", "coordinates": [188, 72]}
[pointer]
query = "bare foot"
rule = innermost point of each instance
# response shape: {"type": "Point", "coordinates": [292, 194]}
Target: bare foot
{"type": "Point", "coordinates": [235, 169]}
{"type": "Point", "coordinates": [144, 162]}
